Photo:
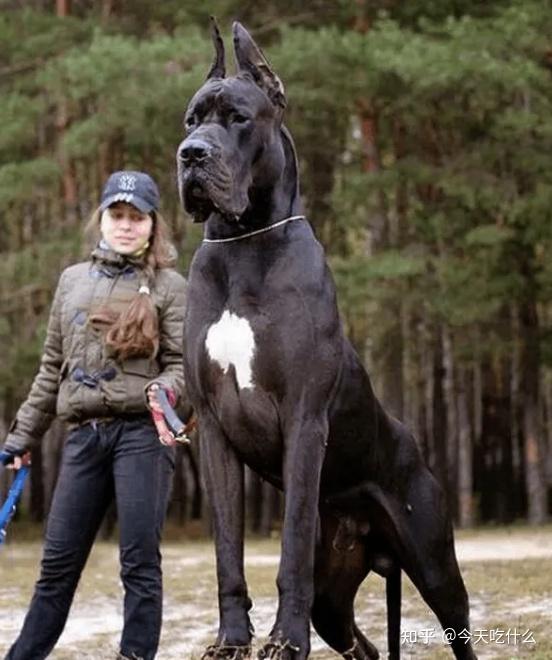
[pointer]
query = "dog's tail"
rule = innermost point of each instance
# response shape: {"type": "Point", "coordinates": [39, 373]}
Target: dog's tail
{"type": "Point", "coordinates": [370, 498]}
{"type": "Point", "coordinates": [393, 596]}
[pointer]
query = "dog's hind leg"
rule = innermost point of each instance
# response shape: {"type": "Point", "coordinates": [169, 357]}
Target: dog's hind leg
{"type": "Point", "coordinates": [443, 590]}
{"type": "Point", "coordinates": [341, 565]}
{"type": "Point", "coordinates": [417, 531]}
{"type": "Point", "coordinates": [441, 586]}
{"type": "Point", "coordinates": [429, 559]}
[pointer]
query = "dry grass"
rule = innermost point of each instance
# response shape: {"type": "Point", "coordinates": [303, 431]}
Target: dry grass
{"type": "Point", "coordinates": [505, 595]}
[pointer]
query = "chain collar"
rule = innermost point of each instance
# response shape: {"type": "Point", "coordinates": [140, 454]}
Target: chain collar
{"type": "Point", "coordinates": [254, 233]}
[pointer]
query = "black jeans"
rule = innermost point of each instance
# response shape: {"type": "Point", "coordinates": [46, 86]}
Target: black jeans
{"type": "Point", "coordinates": [124, 459]}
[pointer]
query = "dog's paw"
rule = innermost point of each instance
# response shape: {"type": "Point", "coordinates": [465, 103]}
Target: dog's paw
{"type": "Point", "coordinates": [364, 650]}
{"type": "Point", "coordinates": [279, 651]}
{"type": "Point", "coordinates": [226, 652]}
{"type": "Point", "coordinates": [361, 649]}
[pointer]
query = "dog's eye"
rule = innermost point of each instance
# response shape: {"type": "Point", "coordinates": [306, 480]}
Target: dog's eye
{"type": "Point", "coordinates": [190, 122]}
{"type": "Point", "coordinates": [237, 118]}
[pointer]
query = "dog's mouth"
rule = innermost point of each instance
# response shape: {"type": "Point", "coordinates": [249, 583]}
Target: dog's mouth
{"type": "Point", "coordinates": [196, 197]}
{"type": "Point", "coordinates": [196, 191]}
{"type": "Point", "coordinates": [203, 194]}
{"type": "Point", "coordinates": [197, 200]}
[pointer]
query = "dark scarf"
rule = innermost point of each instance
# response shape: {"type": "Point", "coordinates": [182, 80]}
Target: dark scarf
{"type": "Point", "coordinates": [112, 263]}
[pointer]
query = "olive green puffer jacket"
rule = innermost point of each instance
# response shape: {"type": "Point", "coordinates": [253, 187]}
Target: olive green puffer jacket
{"type": "Point", "coordinates": [78, 379]}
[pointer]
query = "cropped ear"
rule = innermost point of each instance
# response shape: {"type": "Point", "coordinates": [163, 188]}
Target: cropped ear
{"type": "Point", "coordinates": [218, 69]}
{"type": "Point", "coordinates": [250, 59]}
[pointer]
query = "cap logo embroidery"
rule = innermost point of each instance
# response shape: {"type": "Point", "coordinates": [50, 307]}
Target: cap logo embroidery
{"type": "Point", "coordinates": [127, 182]}
{"type": "Point", "coordinates": [123, 197]}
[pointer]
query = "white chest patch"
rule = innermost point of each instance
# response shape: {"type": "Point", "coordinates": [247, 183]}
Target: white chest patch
{"type": "Point", "coordinates": [231, 341]}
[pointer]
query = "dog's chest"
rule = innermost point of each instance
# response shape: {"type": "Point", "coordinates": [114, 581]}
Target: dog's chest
{"type": "Point", "coordinates": [234, 376]}
{"type": "Point", "coordinates": [230, 342]}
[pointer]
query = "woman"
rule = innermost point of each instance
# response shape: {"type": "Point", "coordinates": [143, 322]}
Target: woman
{"type": "Point", "coordinates": [114, 336]}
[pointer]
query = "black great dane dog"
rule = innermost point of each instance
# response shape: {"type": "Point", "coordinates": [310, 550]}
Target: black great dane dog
{"type": "Point", "coordinates": [278, 387]}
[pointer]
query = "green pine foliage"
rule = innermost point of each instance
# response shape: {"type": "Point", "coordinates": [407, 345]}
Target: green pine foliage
{"type": "Point", "coordinates": [469, 87]}
{"type": "Point", "coordinates": [453, 226]}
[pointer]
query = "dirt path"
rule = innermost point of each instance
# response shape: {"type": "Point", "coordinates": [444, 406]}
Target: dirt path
{"type": "Point", "coordinates": [504, 592]}
{"type": "Point", "coordinates": [505, 546]}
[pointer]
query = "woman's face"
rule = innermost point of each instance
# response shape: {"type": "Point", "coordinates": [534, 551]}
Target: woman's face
{"type": "Point", "coordinates": [124, 228]}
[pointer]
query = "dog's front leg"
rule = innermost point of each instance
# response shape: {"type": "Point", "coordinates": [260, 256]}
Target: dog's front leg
{"type": "Point", "coordinates": [223, 477]}
{"type": "Point", "coordinates": [304, 454]}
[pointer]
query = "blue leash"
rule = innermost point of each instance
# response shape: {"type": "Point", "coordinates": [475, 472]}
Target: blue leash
{"type": "Point", "coordinates": [9, 506]}
{"type": "Point", "coordinates": [175, 424]}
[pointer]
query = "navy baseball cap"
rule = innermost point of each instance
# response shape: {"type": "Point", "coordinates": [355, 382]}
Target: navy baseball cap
{"type": "Point", "coordinates": [136, 188]}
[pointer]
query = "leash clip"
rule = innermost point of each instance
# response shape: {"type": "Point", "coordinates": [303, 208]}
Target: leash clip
{"type": "Point", "coordinates": [179, 428]}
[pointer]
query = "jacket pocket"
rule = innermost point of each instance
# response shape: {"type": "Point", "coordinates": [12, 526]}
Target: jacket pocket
{"type": "Point", "coordinates": [125, 392]}
{"type": "Point", "coordinates": [140, 367]}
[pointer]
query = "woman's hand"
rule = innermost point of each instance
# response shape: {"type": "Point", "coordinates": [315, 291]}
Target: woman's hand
{"type": "Point", "coordinates": [166, 437]}
{"type": "Point", "coordinates": [19, 461]}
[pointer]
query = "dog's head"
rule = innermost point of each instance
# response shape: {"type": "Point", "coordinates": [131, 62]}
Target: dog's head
{"type": "Point", "coordinates": [233, 149]}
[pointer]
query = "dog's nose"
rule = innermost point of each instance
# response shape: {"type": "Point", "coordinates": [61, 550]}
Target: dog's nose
{"type": "Point", "coordinates": [194, 151]}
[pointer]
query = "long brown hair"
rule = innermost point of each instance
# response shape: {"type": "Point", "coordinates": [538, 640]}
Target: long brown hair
{"type": "Point", "coordinates": [134, 332]}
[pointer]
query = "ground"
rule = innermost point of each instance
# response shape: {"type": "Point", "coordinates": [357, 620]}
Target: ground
{"type": "Point", "coordinates": [508, 574]}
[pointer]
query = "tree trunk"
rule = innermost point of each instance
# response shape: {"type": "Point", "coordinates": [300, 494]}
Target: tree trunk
{"type": "Point", "coordinates": [429, 377]}
{"type": "Point", "coordinates": [392, 363]}
{"type": "Point", "coordinates": [255, 501]}
{"type": "Point", "coordinates": [377, 239]}
{"type": "Point", "coordinates": [377, 235]}
{"type": "Point", "coordinates": [412, 403]}
{"type": "Point", "coordinates": [271, 509]}
{"type": "Point", "coordinates": [477, 399]}
{"type": "Point", "coordinates": [63, 8]}
{"type": "Point", "coordinates": [451, 440]}
{"type": "Point", "coordinates": [548, 435]}
{"type": "Point", "coordinates": [37, 485]}
{"type": "Point", "coordinates": [465, 454]}
{"type": "Point", "coordinates": [193, 460]}
{"type": "Point", "coordinates": [67, 167]}
{"type": "Point", "coordinates": [439, 415]}
{"type": "Point", "coordinates": [107, 9]}
{"type": "Point", "coordinates": [534, 478]}
{"type": "Point", "coordinates": [178, 504]}
{"type": "Point", "coordinates": [517, 487]}
{"type": "Point", "coordinates": [494, 471]}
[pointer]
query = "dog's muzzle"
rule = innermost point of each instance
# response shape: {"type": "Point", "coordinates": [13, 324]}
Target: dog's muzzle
{"type": "Point", "coordinates": [194, 151]}
{"type": "Point", "coordinates": [207, 182]}
{"type": "Point", "coordinates": [193, 157]}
